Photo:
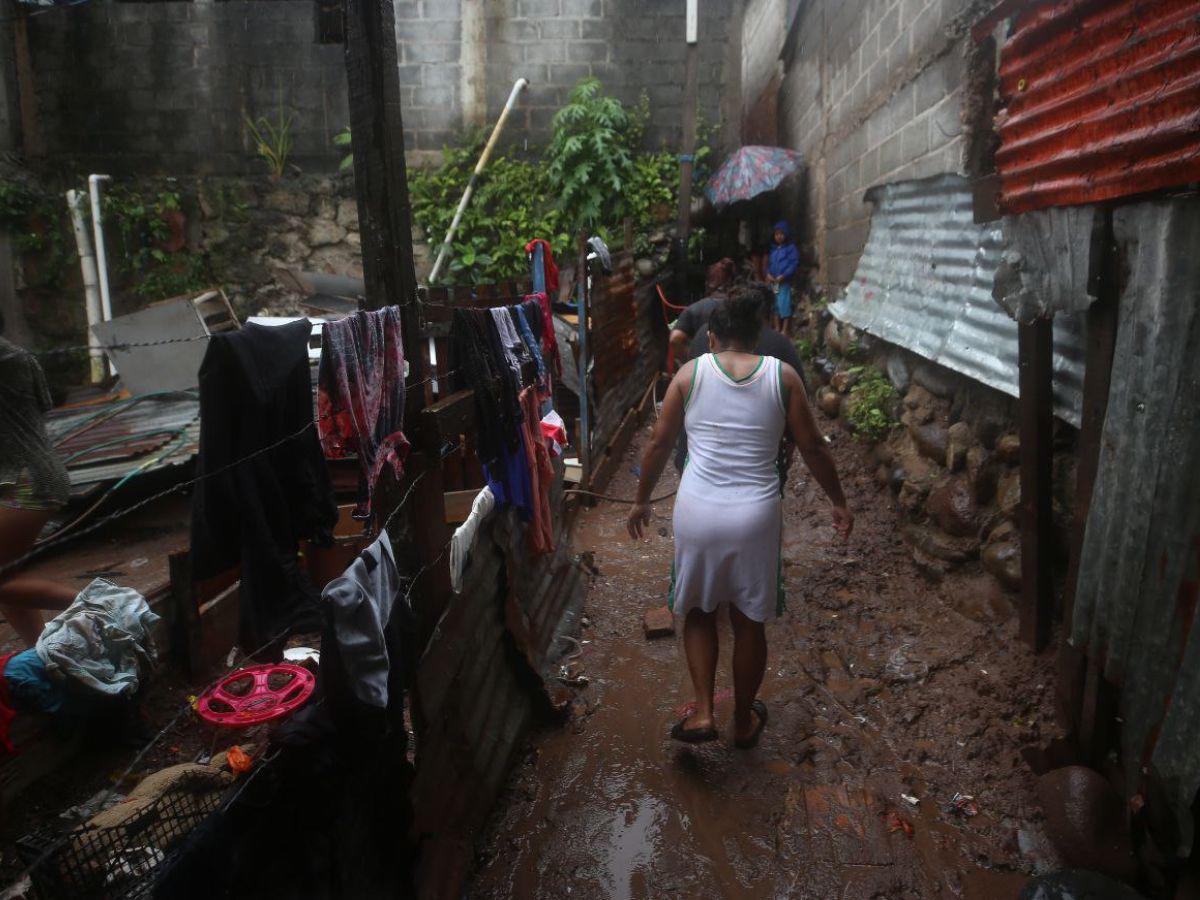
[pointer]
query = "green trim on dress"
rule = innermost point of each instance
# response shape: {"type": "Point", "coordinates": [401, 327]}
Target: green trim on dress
{"type": "Point", "coordinates": [737, 380]}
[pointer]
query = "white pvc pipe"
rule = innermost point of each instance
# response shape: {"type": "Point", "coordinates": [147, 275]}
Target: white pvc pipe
{"type": "Point", "coordinates": [519, 85]}
{"type": "Point", "coordinates": [101, 255]}
{"type": "Point", "coordinates": [91, 289]}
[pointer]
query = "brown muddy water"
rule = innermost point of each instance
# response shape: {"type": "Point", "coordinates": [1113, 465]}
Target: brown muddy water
{"type": "Point", "coordinates": [880, 686]}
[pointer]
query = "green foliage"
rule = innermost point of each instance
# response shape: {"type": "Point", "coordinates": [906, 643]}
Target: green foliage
{"type": "Point", "coordinates": [139, 256]}
{"type": "Point", "coordinates": [272, 139]}
{"type": "Point", "coordinates": [345, 140]}
{"type": "Point", "coordinates": [868, 410]}
{"type": "Point", "coordinates": [592, 175]}
{"type": "Point", "coordinates": [805, 348]}
{"type": "Point", "coordinates": [37, 220]}
{"type": "Point", "coordinates": [589, 158]}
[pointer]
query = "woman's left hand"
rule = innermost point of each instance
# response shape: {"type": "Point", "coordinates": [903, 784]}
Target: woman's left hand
{"type": "Point", "coordinates": [639, 518]}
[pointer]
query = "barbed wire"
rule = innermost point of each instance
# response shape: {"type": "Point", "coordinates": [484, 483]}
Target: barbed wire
{"type": "Point", "coordinates": [126, 345]}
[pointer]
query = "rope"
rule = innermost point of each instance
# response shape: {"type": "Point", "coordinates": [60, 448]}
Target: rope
{"type": "Point", "coordinates": [619, 499]}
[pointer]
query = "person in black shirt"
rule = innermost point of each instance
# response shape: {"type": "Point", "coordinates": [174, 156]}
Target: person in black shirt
{"type": "Point", "coordinates": [716, 283]}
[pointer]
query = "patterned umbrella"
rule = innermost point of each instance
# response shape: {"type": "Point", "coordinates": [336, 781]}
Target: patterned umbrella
{"type": "Point", "coordinates": [749, 172]}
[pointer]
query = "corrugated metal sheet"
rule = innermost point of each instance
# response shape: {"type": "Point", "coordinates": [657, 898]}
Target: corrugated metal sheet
{"type": "Point", "coordinates": [108, 442]}
{"type": "Point", "coordinates": [1101, 100]}
{"type": "Point", "coordinates": [1135, 601]}
{"type": "Point", "coordinates": [924, 282]}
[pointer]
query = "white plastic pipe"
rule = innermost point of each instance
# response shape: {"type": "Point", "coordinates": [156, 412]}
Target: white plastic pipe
{"type": "Point", "coordinates": [91, 289]}
{"type": "Point", "coordinates": [518, 86]}
{"type": "Point", "coordinates": [101, 255]}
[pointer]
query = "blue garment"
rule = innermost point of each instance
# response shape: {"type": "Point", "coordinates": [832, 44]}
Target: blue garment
{"type": "Point", "coordinates": [511, 485]}
{"type": "Point", "coordinates": [785, 258]}
{"type": "Point", "coordinates": [29, 684]}
{"type": "Point", "coordinates": [531, 343]}
{"type": "Point", "coordinates": [783, 301]}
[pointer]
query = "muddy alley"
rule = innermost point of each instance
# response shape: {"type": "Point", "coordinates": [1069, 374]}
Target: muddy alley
{"type": "Point", "coordinates": [892, 765]}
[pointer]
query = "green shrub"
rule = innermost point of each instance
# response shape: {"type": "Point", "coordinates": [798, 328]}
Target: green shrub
{"type": "Point", "coordinates": [868, 408]}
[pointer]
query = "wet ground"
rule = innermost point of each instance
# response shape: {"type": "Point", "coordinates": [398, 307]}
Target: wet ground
{"type": "Point", "coordinates": [888, 697]}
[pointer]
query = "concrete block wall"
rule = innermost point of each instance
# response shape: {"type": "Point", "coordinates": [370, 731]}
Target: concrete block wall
{"type": "Point", "coordinates": [764, 25]}
{"type": "Point", "coordinates": [163, 87]}
{"type": "Point", "coordinates": [874, 91]}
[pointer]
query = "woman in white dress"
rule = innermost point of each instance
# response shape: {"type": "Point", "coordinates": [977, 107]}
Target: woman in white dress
{"type": "Point", "coordinates": [736, 407]}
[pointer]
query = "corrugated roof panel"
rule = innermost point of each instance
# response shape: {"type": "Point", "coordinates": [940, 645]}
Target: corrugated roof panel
{"type": "Point", "coordinates": [1135, 600]}
{"type": "Point", "coordinates": [1101, 100]}
{"type": "Point", "coordinates": [924, 282]}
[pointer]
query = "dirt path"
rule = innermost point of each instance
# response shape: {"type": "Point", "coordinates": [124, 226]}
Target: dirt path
{"type": "Point", "coordinates": [879, 685]}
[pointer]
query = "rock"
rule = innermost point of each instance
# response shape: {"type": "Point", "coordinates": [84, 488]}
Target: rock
{"type": "Point", "coordinates": [920, 406]}
{"type": "Point", "coordinates": [883, 453]}
{"type": "Point", "coordinates": [288, 200]}
{"type": "Point", "coordinates": [833, 337]}
{"type": "Point", "coordinates": [982, 473]}
{"type": "Point", "coordinates": [897, 372]}
{"type": "Point", "coordinates": [323, 232]}
{"type": "Point", "coordinates": [931, 567]}
{"type": "Point", "coordinates": [1008, 448]}
{"type": "Point", "coordinates": [658, 622]}
{"type": "Point", "coordinates": [659, 237]}
{"type": "Point", "coordinates": [896, 482]}
{"type": "Point", "coordinates": [645, 267]}
{"type": "Point", "coordinates": [980, 598]}
{"type": "Point", "coordinates": [824, 369]}
{"type": "Point", "coordinates": [951, 504]}
{"type": "Point", "coordinates": [1003, 559]}
{"type": "Point", "coordinates": [829, 401]}
{"type": "Point", "coordinates": [931, 441]}
{"type": "Point", "coordinates": [1086, 821]}
{"type": "Point", "coordinates": [347, 215]}
{"type": "Point", "coordinates": [844, 380]}
{"type": "Point", "coordinates": [913, 493]}
{"type": "Point", "coordinates": [934, 379]}
{"type": "Point", "coordinates": [1008, 493]}
{"type": "Point", "coordinates": [958, 441]}
{"type": "Point", "coordinates": [883, 476]}
{"type": "Point", "coordinates": [940, 545]}
{"type": "Point", "coordinates": [1004, 531]}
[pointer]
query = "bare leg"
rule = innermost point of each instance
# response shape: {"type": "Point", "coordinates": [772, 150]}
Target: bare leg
{"type": "Point", "coordinates": [21, 597]}
{"type": "Point", "coordinates": [701, 645]}
{"type": "Point", "coordinates": [749, 664]}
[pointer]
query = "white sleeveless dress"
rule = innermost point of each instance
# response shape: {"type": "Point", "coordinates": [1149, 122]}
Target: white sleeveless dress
{"type": "Point", "coordinates": [728, 512]}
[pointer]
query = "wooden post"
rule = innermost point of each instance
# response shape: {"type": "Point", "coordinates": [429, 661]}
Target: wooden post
{"type": "Point", "coordinates": [1035, 346]}
{"type": "Point", "coordinates": [31, 127]}
{"type": "Point", "coordinates": [385, 218]}
{"type": "Point", "coordinates": [1077, 700]}
{"type": "Point", "coordinates": [687, 151]}
{"type": "Point", "coordinates": [585, 425]}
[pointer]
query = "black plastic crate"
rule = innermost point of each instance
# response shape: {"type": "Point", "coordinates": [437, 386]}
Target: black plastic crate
{"type": "Point", "coordinates": [116, 862]}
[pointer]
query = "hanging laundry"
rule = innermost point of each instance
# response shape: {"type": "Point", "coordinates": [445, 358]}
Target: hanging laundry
{"type": "Point", "coordinates": [521, 322]}
{"type": "Point", "coordinates": [29, 684]}
{"type": "Point", "coordinates": [101, 641]}
{"type": "Point", "coordinates": [464, 536]}
{"type": "Point", "coordinates": [265, 483]}
{"type": "Point", "coordinates": [515, 352]}
{"type": "Point", "coordinates": [554, 430]}
{"type": "Point", "coordinates": [362, 601]}
{"type": "Point", "coordinates": [484, 370]}
{"type": "Point", "coordinates": [549, 267]}
{"type": "Point", "coordinates": [510, 479]}
{"type": "Point", "coordinates": [541, 471]}
{"type": "Point", "coordinates": [360, 396]}
{"type": "Point", "coordinates": [548, 335]}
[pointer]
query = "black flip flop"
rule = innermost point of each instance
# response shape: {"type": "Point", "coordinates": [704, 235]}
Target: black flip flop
{"type": "Point", "coordinates": [692, 735]}
{"type": "Point", "coordinates": [760, 710]}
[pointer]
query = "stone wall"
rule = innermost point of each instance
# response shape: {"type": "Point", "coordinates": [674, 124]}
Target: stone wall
{"type": "Point", "coordinates": [164, 87]}
{"type": "Point", "coordinates": [873, 91]}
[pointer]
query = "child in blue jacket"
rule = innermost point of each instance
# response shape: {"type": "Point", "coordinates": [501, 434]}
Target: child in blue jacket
{"type": "Point", "coordinates": [781, 269]}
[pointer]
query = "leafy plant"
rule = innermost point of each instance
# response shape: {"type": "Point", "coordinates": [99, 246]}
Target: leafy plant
{"type": "Point", "coordinates": [272, 139]}
{"type": "Point", "coordinates": [589, 158]}
{"type": "Point", "coordinates": [344, 139]}
{"type": "Point", "coordinates": [142, 256]}
{"type": "Point", "coordinates": [805, 348]}
{"type": "Point", "coordinates": [868, 410]}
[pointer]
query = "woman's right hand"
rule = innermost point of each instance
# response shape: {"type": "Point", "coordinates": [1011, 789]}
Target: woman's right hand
{"type": "Point", "coordinates": [639, 518]}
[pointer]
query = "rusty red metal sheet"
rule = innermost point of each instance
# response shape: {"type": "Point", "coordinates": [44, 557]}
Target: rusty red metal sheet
{"type": "Point", "coordinates": [1101, 99]}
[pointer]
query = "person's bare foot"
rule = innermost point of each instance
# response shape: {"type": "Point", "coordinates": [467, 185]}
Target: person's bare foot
{"type": "Point", "coordinates": [748, 725]}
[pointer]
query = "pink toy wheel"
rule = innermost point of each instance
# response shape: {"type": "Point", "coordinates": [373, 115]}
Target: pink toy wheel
{"type": "Point", "coordinates": [256, 694]}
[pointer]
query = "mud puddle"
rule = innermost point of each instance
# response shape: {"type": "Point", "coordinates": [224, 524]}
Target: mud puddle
{"type": "Point", "coordinates": [883, 690]}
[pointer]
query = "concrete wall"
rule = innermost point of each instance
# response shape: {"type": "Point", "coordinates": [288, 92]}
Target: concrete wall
{"type": "Point", "coordinates": [874, 91]}
{"type": "Point", "coordinates": [163, 87]}
{"type": "Point", "coordinates": [764, 25]}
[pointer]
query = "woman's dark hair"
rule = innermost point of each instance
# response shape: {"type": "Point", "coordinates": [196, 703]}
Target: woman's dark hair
{"type": "Point", "coordinates": [740, 318]}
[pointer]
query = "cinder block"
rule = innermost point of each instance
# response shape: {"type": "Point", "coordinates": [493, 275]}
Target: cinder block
{"type": "Point", "coordinates": [443, 9]}
{"type": "Point", "coordinates": [428, 30]}
{"type": "Point", "coordinates": [546, 52]}
{"type": "Point", "coordinates": [891, 155]}
{"type": "Point", "coordinates": [582, 9]}
{"type": "Point", "coordinates": [916, 138]}
{"type": "Point", "coordinates": [568, 74]}
{"type": "Point", "coordinates": [538, 9]}
{"type": "Point", "coordinates": [587, 51]}
{"type": "Point", "coordinates": [596, 30]}
{"type": "Point", "coordinates": [430, 52]}
{"type": "Point", "coordinates": [558, 29]}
